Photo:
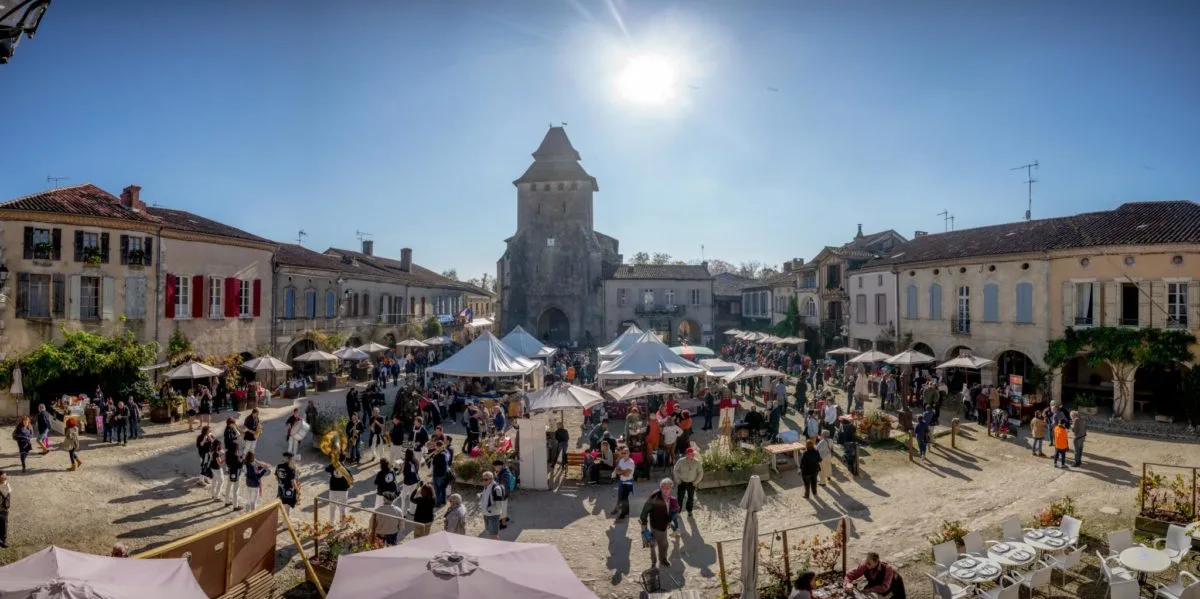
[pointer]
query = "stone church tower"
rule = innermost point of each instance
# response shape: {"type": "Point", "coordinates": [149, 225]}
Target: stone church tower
{"type": "Point", "coordinates": [550, 277]}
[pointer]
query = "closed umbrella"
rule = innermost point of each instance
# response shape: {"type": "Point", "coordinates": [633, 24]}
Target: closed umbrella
{"type": "Point", "coordinates": [752, 502]}
{"type": "Point", "coordinates": [18, 387]}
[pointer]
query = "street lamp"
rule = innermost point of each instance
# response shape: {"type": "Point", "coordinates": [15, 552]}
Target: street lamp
{"type": "Point", "coordinates": [22, 18]}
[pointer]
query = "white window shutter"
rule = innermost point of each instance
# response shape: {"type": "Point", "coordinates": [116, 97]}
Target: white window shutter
{"type": "Point", "coordinates": [73, 293]}
{"type": "Point", "coordinates": [1097, 306]}
{"type": "Point", "coordinates": [106, 308]}
{"type": "Point", "coordinates": [1193, 302]}
{"type": "Point", "coordinates": [1145, 316]}
{"type": "Point", "coordinates": [1112, 306]}
{"type": "Point", "coordinates": [1158, 304]}
{"type": "Point", "coordinates": [1068, 305]}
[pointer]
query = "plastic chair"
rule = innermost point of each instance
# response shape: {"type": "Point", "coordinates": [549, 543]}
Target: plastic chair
{"type": "Point", "coordinates": [1114, 574]}
{"type": "Point", "coordinates": [1070, 528]}
{"type": "Point", "coordinates": [1177, 543]}
{"type": "Point", "coordinates": [973, 545]}
{"type": "Point", "coordinates": [1120, 540]}
{"type": "Point", "coordinates": [1012, 591]}
{"type": "Point", "coordinates": [1185, 586]}
{"type": "Point", "coordinates": [1010, 529]}
{"type": "Point", "coordinates": [1033, 579]}
{"type": "Point", "coordinates": [950, 590]}
{"type": "Point", "coordinates": [1128, 589]}
{"type": "Point", "coordinates": [1065, 562]}
{"type": "Point", "coordinates": [945, 554]}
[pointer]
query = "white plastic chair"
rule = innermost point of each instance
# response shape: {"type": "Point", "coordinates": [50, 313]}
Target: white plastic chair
{"type": "Point", "coordinates": [1185, 586]}
{"type": "Point", "coordinates": [1128, 589]}
{"type": "Point", "coordinates": [949, 590]}
{"type": "Point", "coordinates": [1065, 562]}
{"type": "Point", "coordinates": [1120, 540]}
{"type": "Point", "coordinates": [1010, 529]}
{"type": "Point", "coordinates": [1177, 543]}
{"type": "Point", "coordinates": [973, 545]}
{"type": "Point", "coordinates": [945, 554]}
{"type": "Point", "coordinates": [1012, 591]}
{"type": "Point", "coordinates": [1070, 528]}
{"type": "Point", "coordinates": [1032, 579]}
{"type": "Point", "coordinates": [1114, 574]}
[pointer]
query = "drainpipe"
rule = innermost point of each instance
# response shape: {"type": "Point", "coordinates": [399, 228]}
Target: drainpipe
{"type": "Point", "coordinates": [274, 287]}
{"type": "Point", "coordinates": [158, 272]}
{"type": "Point", "coordinates": [896, 276]}
{"type": "Point", "coordinates": [1049, 329]}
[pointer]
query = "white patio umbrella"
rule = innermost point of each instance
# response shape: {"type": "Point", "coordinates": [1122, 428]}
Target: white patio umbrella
{"type": "Point", "coordinates": [350, 353]}
{"type": "Point", "coordinates": [733, 332]}
{"type": "Point", "coordinates": [414, 343]}
{"type": "Point", "coordinates": [266, 364]}
{"type": "Point", "coordinates": [316, 355]}
{"type": "Point", "coordinates": [372, 347]}
{"type": "Point", "coordinates": [909, 358]}
{"type": "Point", "coordinates": [643, 389]}
{"type": "Point", "coordinates": [56, 573]}
{"type": "Point", "coordinates": [18, 387]}
{"type": "Point", "coordinates": [794, 340]}
{"type": "Point", "coordinates": [752, 372]}
{"type": "Point", "coordinates": [192, 370]}
{"type": "Point", "coordinates": [450, 566]}
{"type": "Point", "coordinates": [562, 396]}
{"type": "Point", "coordinates": [752, 502]}
{"type": "Point", "coordinates": [843, 351]}
{"type": "Point", "coordinates": [869, 357]}
{"type": "Point", "coordinates": [967, 361]}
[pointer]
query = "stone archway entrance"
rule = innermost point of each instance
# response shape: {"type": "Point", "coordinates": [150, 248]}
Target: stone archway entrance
{"type": "Point", "coordinates": [1013, 362]}
{"type": "Point", "coordinates": [553, 326]}
{"type": "Point", "coordinates": [688, 332]}
{"type": "Point", "coordinates": [924, 348]}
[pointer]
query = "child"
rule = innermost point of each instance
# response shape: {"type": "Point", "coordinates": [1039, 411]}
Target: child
{"type": "Point", "coordinates": [1060, 445]}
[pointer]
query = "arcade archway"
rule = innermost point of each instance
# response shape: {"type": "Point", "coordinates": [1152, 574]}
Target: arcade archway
{"type": "Point", "coordinates": [924, 349]}
{"type": "Point", "coordinates": [553, 326]}
{"type": "Point", "coordinates": [688, 332]}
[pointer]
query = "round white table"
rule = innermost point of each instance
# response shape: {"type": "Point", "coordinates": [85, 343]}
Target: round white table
{"type": "Point", "coordinates": [1144, 560]}
{"type": "Point", "coordinates": [976, 574]}
{"type": "Point", "coordinates": [1042, 543]}
{"type": "Point", "coordinates": [1007, 558]}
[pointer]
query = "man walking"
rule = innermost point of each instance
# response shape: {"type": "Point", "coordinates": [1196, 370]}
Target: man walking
{"type": "Point", "coordinates": [655, 518]}
{"type": "Point", "coordinates": [825, 450]}
{"type": "Point", "coordinates": [1078, 433]}
{"type": "Point", "coordinates": [624, 474]}
{"type": "Point", "coordinates": [689, 472]}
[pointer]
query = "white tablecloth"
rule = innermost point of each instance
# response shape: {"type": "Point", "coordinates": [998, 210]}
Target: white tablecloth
{"type": "Point", "coordinates": [1041, 543]}
{"type": "Point", "coordinates": [1007, 558]}
{"type": "Point", "coordinates": [1144, 560]}
{"type": "Point", "coordinates": [975, 574]}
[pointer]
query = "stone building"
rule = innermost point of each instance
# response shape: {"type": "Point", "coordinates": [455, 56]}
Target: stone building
{"type": "Point", "coordinates": [873, 309]}
{"type": "Point", "coordinates": [832, 266]}
{"type": "Point", "coordinates": [673, 300]}
{"type": "Point", "coordinates": [550, 279]}
{"type": "Point", "coordinates": [727, 302]}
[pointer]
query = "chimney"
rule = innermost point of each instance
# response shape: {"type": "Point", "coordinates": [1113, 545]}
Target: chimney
{"type": "Point", "coordinates": [406, 259]}
{"type": "Point", "coordinates": [917, 234]}
{"type": "Point", "coordinates": [368, 247]}
{"type": "Point", "coordinates": [860, 235]}
{"type": "Point", "coordinates": [131, 198]}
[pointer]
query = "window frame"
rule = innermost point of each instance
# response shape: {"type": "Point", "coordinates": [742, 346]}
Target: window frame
{"type": "Point", "coordinates": [697, 297]}
{"type": "Point", "coordinates": [881, 308]}
{"type": "Point", "coordinates": [245, 299]}
{"type": "Point", "coordinates": [216, 297]}
{"type": "Point", "coordinates": [860, 308]}
{"type": "Point", "coordinates": [49, 241]}
{"type": "Point", "coordinates": [95, 301]}
{"type": "Point", "coordinates": [289, 302]}
{"type": "Point", "coordinates": [183, 297]}
{"type": "Point", "coordinates": [1179, 306]}
{"type": "Point", "coordinates": [310, 303]}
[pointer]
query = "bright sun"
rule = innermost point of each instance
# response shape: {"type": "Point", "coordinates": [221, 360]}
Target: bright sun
{"type": "Point", "coordinates": [648, 80]}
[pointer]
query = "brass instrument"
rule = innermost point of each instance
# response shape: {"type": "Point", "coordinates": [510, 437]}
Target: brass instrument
{"type": "Point", "coordinates": [258, 430]}
{"type": "Point", "coordinates": [333, 444]}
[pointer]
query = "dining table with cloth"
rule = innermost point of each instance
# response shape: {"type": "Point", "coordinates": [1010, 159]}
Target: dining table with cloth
{"type": "Point", "coordinates": [974, 570]}
{"type": "Point", "coordinates": [1046, 539]}
{"type": "Point", "coordinates": [1012, 554]}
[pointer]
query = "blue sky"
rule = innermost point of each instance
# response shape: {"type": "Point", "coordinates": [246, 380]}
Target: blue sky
{"type": "Point", "coordinates": [409, 120]}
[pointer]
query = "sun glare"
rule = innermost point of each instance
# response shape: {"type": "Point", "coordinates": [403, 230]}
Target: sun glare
{"type": "Point", "coordinates": [648, 80]}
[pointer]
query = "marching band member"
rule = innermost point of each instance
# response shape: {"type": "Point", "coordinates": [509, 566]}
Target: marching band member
{"type": "Point", "coordinates": [376, 440]}
{"type": "Point", "coordinates": [397, 437]}
{"type": "Point", "coordinates": [216, 464]}
{"type": "Point", "coordinates": [233, 470]}
{"type": "Point", "coordinates": [354, 430]}
{"type": "Point", "coordinates": [293, 424]}
{"type": "Point", "coordinates": [253, 428]}
{"type": "Point", "coordinates": [339, 490]}
{"type": "Point", "coordinates": [231, 435]}
{"type": "Point", "coordinates": [386, 487]}
{"type": "Point", "coordinates": [255, 471]}
{"type": "Point", "coordinates": [412, 479]}
{"type": "Point", "coordinates": [289, 482]}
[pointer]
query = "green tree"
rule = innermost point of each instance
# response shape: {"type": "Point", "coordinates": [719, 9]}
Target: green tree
{"type": "Point", "coordinates": [451, 274]}
{"type": "Point", "coordinates": [641, 258]}
{"type": "Point", "coordinates": [660, 259]}
{"type": "Point", "coordinates": [433, 327]}
{"type": "Point", "coordinates": [790, 325]}
{"type": "Point", "coordinates": [178, 347]}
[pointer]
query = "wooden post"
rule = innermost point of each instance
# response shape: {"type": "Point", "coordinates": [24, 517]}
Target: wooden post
{"type": "Point", "coordinates": [842, 532]}
{"type": "Point", "coordinates": [954, 433]}
{"type": "Point", "coordinates": [229, 553]}
{"type": "Point", "coordinates": [908, 443]}
{"type": "Point", "coordinates": [721, 567]}
{"type": "Point", "coordinates": [1195, 482]}
{"type": "Point", "coordinates": [1142, 508]}
{"type": "Point", "coordinates": [787, 562]}
{"type": "Point", "coordinates": [312, 574]}
{"type": "Point", "coordinates": [316, 526]}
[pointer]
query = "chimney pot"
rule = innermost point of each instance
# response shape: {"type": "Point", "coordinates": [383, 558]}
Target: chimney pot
{"type": "Point", "coordinates": [131, 198]}
{"type": "Point", "coordinates": [406, 259]}
{"type": "Point", "coordinates": [860, 233]}
{"type": "Point", "coordinates": [919, 234]}
{"type": "Point", "coordinates": [368, 247]}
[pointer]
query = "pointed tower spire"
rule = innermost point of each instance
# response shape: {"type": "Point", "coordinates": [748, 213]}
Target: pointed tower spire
{"type": "Point", "coordinates": [556, 161]}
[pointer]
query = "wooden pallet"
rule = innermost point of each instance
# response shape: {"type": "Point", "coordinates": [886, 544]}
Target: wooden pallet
{"type": "Point", "coordinates": [259, 586]}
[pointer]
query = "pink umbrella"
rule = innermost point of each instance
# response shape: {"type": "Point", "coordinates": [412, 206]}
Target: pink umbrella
{"type": "Point", "coordinates": [448, 566]}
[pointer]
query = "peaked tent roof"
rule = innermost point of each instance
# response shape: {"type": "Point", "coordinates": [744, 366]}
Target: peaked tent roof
{"type": "Point", "coordinates": [622, 343]}
{"type": "Point", "coordinates": [486, 356]}
{"type": "Point", "coordinates": [523, 344]}
{"type": "Point", "coordinates": [649, 357]}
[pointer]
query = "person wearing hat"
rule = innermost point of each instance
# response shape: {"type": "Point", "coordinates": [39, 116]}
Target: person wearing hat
{"type": "Point", "coordinates": [688, 473]}
{"type": "Point", "coordinates": [655, 519]}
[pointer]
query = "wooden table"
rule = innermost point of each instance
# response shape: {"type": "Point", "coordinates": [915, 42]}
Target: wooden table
{"type": "Point", "coordinates": [784, 448]}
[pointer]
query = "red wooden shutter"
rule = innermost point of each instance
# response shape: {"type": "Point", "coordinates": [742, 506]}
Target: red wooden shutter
{"type": "Point", "coordinates": [257, 297]}
{"type": "Point", "coordinates": [169, 297]}
{"type": "Point", "coordinates": [197, 296]}
{"type": "Point", "coordinates": [232, 304]}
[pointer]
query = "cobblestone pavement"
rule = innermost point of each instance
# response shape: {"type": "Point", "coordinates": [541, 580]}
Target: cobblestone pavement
{"type": "Point", "coordinates": [147, 493]}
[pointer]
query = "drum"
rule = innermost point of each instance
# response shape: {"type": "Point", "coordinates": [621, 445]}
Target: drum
{"type": "Point", "coordinates": [300, 431]}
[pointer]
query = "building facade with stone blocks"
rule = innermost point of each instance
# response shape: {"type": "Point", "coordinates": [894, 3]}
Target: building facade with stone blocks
{"type": "Point", "coordinates": [873, 309]}
{"type": "Point", "coordinates": [674, 301]}
{"type": "Point", "coordinates": [727, 302]}
{"type": "Point", "coordinates": [757, 304]}
{"type": "Point", "coordinates": [551, 276]}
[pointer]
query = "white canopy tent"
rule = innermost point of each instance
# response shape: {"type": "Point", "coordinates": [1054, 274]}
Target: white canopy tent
{"type": "Point", "coordinates": [486, 356]}
{"type": "Point", "coordinates": [562, 396]}
{"type": "Point", "coordinates": [648, 357]}
{"type": "Point", "coordinates": [643, 389]}
{"type": "Point", "coordinates": [621, 343]}
{"type": "Point", "coordinates": [480, 323]}
{"type": "Point", "coordinates": [56, 573]}
{"type": "Point", "coordinates": [523, 344]}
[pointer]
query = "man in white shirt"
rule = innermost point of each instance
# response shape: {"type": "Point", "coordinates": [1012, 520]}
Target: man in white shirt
{"type": "Point", "coordinates": [491, 502]}
{"type": "Point", "coordinates": [831, 415]}
{"type": "Point", "coordinates": [670, 434]}
{"type": "Point", "coordinates": [781, 395]}
{"type": "Point", "coordinates": [825, 449]}
{"type": "Point", "coordinates": [624, 474]}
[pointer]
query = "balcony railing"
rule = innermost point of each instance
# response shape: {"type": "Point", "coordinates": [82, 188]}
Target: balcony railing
{"type": "Point", "coordinates": [960, 324]}
{"type": "Point", "coordinates": [667, 309]}
{"type": "Point", "coordinates": [1084, 321]}
{"type": "Point", "coordinates": [1177, 322]}
{"type": "Point", "coordinates": [1128, 322]}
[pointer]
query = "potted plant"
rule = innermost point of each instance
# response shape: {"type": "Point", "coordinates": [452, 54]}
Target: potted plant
{"type": "Point", "coordinates": [1086, 403]}
{"type": "Point", "coordinates": [136, 256]}
{"type": "Point", "coordinates": [732, 467]}
{"type": "Point", "coordinates": [43, 250]}
{"type": "Point", "coordinates": [91, 256]}
{"type": "Point", "coordinates": [333, 540]}
{"type": "Point", "coordinates": [875, 426]}
{"type": "Point", "coordinates": [164, 409]}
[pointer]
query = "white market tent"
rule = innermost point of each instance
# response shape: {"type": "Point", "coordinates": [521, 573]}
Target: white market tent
{"type": "Point", "coordinates": [56, 573]}
{"type": "Point", "coordinates": [642, 389]}
{"type": "Point", "coordinates": [480, 323]}
{"type": "Point", "coordinates": [622, 343]}
{"type": "Point", "coordinates": [648, 357]}
{"type": "Point", "coordinates": [486, 356]}
{"type": "Point", "coordinates": [523, 344]}
{"type": "Point", "coordinates": [562, 396]}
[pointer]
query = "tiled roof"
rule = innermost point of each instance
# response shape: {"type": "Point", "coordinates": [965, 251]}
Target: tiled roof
{"type": "Point", "coordinates": [1137, 223]}
{"type": "Point", "coordinates": [418, 275]}
{"type": "Point", "coordinates": [556, 145]}
{"type": "Point", "coordinates": [728, 283]}
{"type": "Point", "coordinates": [89, 200]}
{"type": "Point", "coordinates": [556, 161]}
{"type": "Point", "coordinates": [675, 272]}
{"type": "Point", "coordinates": [290, 254]}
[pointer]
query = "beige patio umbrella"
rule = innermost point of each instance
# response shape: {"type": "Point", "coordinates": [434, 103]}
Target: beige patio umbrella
{"type": "Point", "coordinates": [413, 343]}
{"type": "Point", "coordinates": [909, 358]}
{"type": "Point", "coordinates": [967, 361]}
{"type": "Point", "coordinates": [372, 347]}
{"type": "Point", "coordinates": [192, 370]}
{"type": "Point", "coordinates": [843, 351]}
{"type": "Point", "coordinates": [643, 389]}
{"type": "Point", "coordinates": [752, 502]}
{"type": "Point", "coordinates": [869, 357]}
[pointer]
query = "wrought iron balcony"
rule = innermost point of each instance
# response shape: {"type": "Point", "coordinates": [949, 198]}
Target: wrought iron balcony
{"type": "Point", "coordinates": [1177, 322]}
{"type": "Point", "coordinates": [1084, 321]}
{"type": "Point", "coordinates": [960, 324]}
{"type": "Point", "coordinates": [667, 309]}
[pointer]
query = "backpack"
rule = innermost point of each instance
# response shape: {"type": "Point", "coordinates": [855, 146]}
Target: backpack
{"type": "Point", "coordinates": [499, 493]}
{"type": "Point", "coordinates": [510, 482]}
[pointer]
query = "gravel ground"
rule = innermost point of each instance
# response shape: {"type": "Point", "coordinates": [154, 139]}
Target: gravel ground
{"type": "Point", "coordinates": [146, 494]}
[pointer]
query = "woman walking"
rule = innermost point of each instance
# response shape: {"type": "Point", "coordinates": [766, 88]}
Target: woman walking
{"type": "Point", "coordinates": [205, 408]}
{"type": "Point", "coordinates": [214, 468]}
{"type": "Point", "coordinates": [423, 516]}
{"type": "Point", "coordinates": [456, 515]}
{"type": "Point", "coordinates": [411, 480]}
{"type": "Point", "coordinates": [193, 409]}
{"type": "Point", "coordinates": [204, 450]}
{"type": "Point", "coordinates": [24, 436]}
{"type": "Point", "coordinates": [810, 467]}
{"type": "Point", "coordinates": [71, 442]}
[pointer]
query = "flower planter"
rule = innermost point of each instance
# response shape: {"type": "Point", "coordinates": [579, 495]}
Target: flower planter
{"type": "Point", "coordinates": [1158, 528]}
{"type": "Point", "coordinates": [324, 575]}
{"type": "Point", "coordinates": [713, 480]}
{"type": "Point", "coordinates": [878, 433]}
{"type": "Point", "coordinates": [160, 415]}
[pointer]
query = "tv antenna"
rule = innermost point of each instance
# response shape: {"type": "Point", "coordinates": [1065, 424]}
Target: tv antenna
{"type": "Point", "coordinates": [1029, 168]}
{"type": "Point", "coordinates": [361, 236]}
{"type": "Point", "coordinates": [947, 219]}
{"type": "Point", "coordinates": [300, 237]}
{"type": "Point", "coordinates": [55, 180]}
{"type": "Point", "coordinates": [702, 258]}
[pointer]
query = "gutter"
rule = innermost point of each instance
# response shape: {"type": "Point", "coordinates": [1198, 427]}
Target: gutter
{"type": "Point", "coordinates": [158, 272]}
{"type": "Point", "coordinates": [274, 287]}
{"type": "Point", "coordinates": [896, 275]}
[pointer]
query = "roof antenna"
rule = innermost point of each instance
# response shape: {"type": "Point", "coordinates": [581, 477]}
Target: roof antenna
{"type": "Point", "coordinates": [54, 180]}
{"type": "Point", "coordinates": [300, 237]}
{"type": "Point", "coordinates": [945, 214]}
{"type": "Point", "coordinates": [951, 222]}
{"type": "Point", "coordinates": [1029, 168]}
{"type": "Point", "coordinates": [361, 236]}
{"type": "Point", "coordinates": [702, 258]}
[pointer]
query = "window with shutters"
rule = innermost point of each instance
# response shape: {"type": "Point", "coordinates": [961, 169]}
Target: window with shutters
{"type": "Point", "coordinates": [622, 297]}
{"type": "Point", "coordinates": [330, 304]}
{"type": "Point", "coordinates": [669, 296]}
{"type": "Point", "coordinates": [366, 304]}
{"type": "Point", "coordinates": [1177, 305]}
{"type": "Point", "coordinates": [697, 297]}
{"type": "Point", "coordinates": [183, 297]}
{"type": "Point", "coordinates": [991, 303]}
{"type": "Point", "coordinates": [648, 296]}
{"type": "Point", "coordinates": [935, 301]}
{"type": "Point", "coordinates": [33, 295]}
{"type": "Point", "coordinates": [310, 303]}
{"type": "Point", "coordinates": [860, 308]}
{"type": "Point", "coordinates": [1025, 303]}
{"type": "Point", "coordinates": [246, 299]}
{"type": "Point", "coordinates": [881, 311]}
{"type": "Point", "coordinates": [1085, 294]}
{"type": "Point", "coordinates": [42, 245]}
{"type": "Point", "coordinates": [961, 324]}
{"type": "Point", "coordinates": [810, 307]}
{"type": "Point", "coordinates": [134, 250]}
{"type": "Point", "coordinates": [1130, 298]}
{"type": "Point", "coordinates": [910, 301]}
{"type": "Point", "coordinates": [89, 298]}
{"type": "Point", "coordinates": [289, 303]}
{"type": "Point", "coordinates": [216, 297]}
{"type": "Point", "coordinates": [135, 298]}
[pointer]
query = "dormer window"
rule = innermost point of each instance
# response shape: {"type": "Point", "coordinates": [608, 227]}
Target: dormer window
{"type": "Point", "coordinates": [549, 242]}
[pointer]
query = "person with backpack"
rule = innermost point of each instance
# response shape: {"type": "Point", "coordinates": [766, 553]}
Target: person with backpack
{"type": "Point", "coordinates": [491, 504]}
{"type": "Point", "coordinates": [504, 478]}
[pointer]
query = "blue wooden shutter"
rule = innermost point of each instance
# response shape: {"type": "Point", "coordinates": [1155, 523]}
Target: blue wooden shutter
{"type": "Point", "coordinates": [991, 303]}
{"type": "Point", "coordinates": [935, 301]}
{"type": "Point", "coordinates": [911, 310]}
{"type": "Point", "coordinates": [1025, 303]}
{"type": "Point", "coordinates": [289, 302]}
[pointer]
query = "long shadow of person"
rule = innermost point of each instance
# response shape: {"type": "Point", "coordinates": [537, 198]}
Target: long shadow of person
{"type": "Point", "coordinates": [695, 552]}
{"type": "Point", "coordinates": [619, 546]}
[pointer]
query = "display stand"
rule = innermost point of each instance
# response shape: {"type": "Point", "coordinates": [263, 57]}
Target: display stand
{"type": "Point", "coordinates": [531, 438]}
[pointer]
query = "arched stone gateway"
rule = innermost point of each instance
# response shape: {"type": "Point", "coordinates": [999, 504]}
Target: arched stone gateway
{"type": "Point", "coordinates": [553, 326]}
{"type": "Point", "coordinates": [298, 347]}
{"type": "Point", "coordinates": [389, 340]}
{"type": "Point", "coordinates": [924, 348]}
{"type": "Point", "coordinates": [688, 332]}
{"type": "Point", "coordinates": [955, 351]}
{"type": "Point", "coordinates": [1013, 362]}
{"type": "Point", "coordinates": [354, 341]}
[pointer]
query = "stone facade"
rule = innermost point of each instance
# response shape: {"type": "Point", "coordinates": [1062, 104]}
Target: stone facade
{"type": "Point", "coordinates": [674, 301]}
{"type": "Point", "coordinates": [550, 278]}
{"type": "Point", "coordinates": [873, 309]}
